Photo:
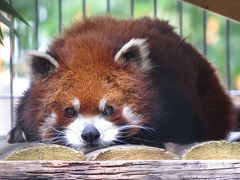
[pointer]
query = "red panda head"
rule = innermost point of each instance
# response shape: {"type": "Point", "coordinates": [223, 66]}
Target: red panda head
{"type": "Point", "coordinates": [90, 90]}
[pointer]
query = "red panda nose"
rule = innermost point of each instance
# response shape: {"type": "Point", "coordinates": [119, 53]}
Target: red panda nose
{"type": "Point", "coordinates": [90, 134]}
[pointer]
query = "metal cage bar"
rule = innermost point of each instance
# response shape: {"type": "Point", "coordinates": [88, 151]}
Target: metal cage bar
{"type": "Point", "coordinates": [108, 6]}
{"type": "Point", "coordinates": [11, 72]}
{"type": "Point", "coordinates": [36, 23]}
{"type": "Point", "coordinates": [84, 8]}
{"type": "Point", "coordinates": [180, 17]}
{"type": "Point", "coordinates": [154, 8]}
{"type": "Point", "coordinates": [59, 16]}
{"type": "Point", "coordinates": [132, 8]}
{"type": "Point", "coordinates": [228, 70]}
{"type": "Point", "coordinates": [204, 32]}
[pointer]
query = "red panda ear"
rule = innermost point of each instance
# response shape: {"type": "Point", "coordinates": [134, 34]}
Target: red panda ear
{"type": "Point", "coordinates": [42, 65]}
{"type": "Point", "coordinates": [134, 53]}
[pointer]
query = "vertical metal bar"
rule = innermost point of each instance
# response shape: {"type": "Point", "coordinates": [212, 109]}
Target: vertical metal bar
{"type": "Point", "coordinates": [59, 16]}
{"type": "Point", "coordinates": [155, 8]}
{"type": "Point", "coordinates": [84, 7]}
{"type": "Point", "coordinates": [11, 71]}
{"type": "Point", "coordinates": [36, 23]}
{"type": "Point", "coordinates": [180, 17]}
{"type": "Point", "coordinates": [204, 32]}
{"type": "Point", "coordinates": [132, 8]}
{"type": "Point", "coordinates": [228, 54]}
{"type": "Point", "coordinates": [108, 6]}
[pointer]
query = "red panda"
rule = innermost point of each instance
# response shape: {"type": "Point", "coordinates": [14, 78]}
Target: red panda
{"type": "Point", "coordinates": [106, 81]}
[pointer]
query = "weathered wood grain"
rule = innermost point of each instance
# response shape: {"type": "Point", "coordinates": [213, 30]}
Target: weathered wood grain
{"type": "Point", "coordinates": [177, 169]}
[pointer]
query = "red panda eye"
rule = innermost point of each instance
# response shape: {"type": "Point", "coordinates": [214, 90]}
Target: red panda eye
{"type": "Point", "coordinates": [70, 112]}
{"type": "Point", "coordinates": [108, 111]}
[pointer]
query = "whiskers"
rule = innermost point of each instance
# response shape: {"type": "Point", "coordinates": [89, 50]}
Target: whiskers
{"type": "Point", "coordinates": [131, 126]}
{"type": "Point", "coordinates": [71, 138]}
{"type": "Point", "coordinates": [53, 135]}
{"type": "Point", "coordinates": [57, 135]}
{"type": "Point", "coordinates": [124, 138]}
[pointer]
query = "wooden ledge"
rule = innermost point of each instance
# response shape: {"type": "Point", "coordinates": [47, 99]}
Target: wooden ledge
{"type": "Point", "coordinates": [163, 169]}
{"type": "Point", "coordinates": [227, 8]}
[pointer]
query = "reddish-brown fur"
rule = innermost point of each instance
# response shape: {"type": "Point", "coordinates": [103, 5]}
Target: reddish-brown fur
{"type": "Point", "coordinates": [85, 53]}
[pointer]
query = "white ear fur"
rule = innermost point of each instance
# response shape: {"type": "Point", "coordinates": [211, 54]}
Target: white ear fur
{"type": "Point", "coordinates": [143, 53]}
{"type": "Point", "coordinates": [33, 55]}
{"type": "Point", "coordinates": [43, 55]}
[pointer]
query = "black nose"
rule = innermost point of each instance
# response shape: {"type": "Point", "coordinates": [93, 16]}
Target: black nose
{"type": "Point", "coordinates": [90, 134]}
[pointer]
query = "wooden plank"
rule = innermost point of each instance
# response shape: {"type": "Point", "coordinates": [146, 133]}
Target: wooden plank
{"type": "Point", "coordinates": [227, 8]}
{"type": "Point", "coordinates": [175, 169]}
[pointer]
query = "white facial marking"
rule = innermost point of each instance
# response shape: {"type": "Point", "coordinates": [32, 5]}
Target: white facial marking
{"type": "Point", "coordinates": [102, 104]}
{"type": "Point", "coordinates": [143, 48]}
{"type": "Point", "coordinates": [108, 131]}
{"type": "Point", "coordinates": [131, 117]}
{"type": "Point", "coordinates": [76, 103]}
{"type": "Point", "coordinates": [47, 124]}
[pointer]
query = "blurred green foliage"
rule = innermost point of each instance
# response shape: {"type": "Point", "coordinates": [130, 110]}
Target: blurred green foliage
{"type": "Point", "coordinates": [166, 9]}
{"type": "Point", "coordinates": [5, 7]}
